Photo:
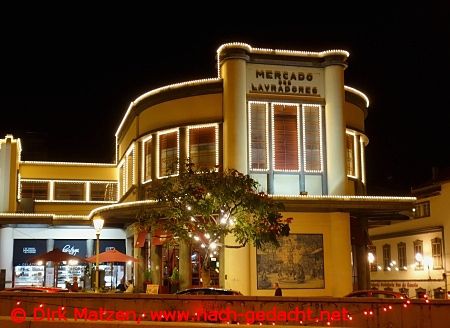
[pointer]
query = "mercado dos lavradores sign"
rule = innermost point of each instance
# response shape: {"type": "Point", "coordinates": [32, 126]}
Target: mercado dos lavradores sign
{"type": "Point", "coordinates": [286, 80]}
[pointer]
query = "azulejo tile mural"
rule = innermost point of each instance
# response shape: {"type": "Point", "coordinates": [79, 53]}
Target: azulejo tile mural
{"type": "Point", "coordinates": [298, 263]}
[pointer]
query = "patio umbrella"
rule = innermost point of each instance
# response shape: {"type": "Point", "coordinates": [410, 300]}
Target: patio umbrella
{"type": "Point", "coordinates": [111, 256]}
{"type": "Point", "coordinates": [56, 256]}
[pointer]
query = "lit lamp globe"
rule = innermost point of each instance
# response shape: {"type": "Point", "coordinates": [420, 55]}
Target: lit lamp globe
{"type": "Point", "coordinates": [371, 257]}
{"type": "Point", "coordinates": [419, 257]}
{"type": "Point", "coordinates": [98, 225]}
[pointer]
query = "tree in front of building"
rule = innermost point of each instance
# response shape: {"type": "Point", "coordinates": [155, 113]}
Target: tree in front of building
{"type": "Point", "coordinates": [203, 206]}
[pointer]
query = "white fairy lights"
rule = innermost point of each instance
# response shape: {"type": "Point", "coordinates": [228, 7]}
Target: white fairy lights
{"type": "Point", "coordinates": [162, 89]}
{"type": "Point", "coordinates": [51, 189]}
{"type": "Point", "coordinates": [294, 53]}
{"type": "Point", "coordinates": [216, 138]}
{"type": "Point", "coordinates": [319, 112]}
{"type": "Point", "coordinates": [358, 93]}
{"type": "Point", "coordinates": [144, 155]}
{"type": "Point", "coordinates": [266, 136]}
{"type": "Point", "coordinates": [344, 197]}
{"type": "Point", "coordinates": [297, 106]}
{"type": "Point", "coordinates": [359, 142]}
{"type": "Point", "coordinates": [67, 164]}
{"type": "Point", "coordinates": [158, 159]}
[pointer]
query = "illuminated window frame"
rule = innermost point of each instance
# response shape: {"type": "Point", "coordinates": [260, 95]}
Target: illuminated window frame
{"type": "Point", "coordinates": [88, 190]}
{"type": "Point", "coordinates": [362, 147]}
{"type": "Point", "coordinates": [272, 110]}
{"type": "Point", "coordinates": [359, 162]}
{"type": "Point", "coordinates": [266, 104]}
{"type": "Point", "coordinates": [303, 137]}
{"type": "Point", "coordinates": [351, 134]}
{"type": "Point", "coordinates": [133, 164]}
{"type": "Point", "coordinates": [216, 139]}
{"type": "Point", "coordinates": [144, 141]}
{"type": "Point", "coordinates": [121, 179]}
{"type": "Point", "coordinates": [51, 190]}
{"type": "Point", "coordinates": [65, 182]}
{"type": "Point", "coordinates": [158, 160]}
{"type": "Point", "coordinates": [19, 187]}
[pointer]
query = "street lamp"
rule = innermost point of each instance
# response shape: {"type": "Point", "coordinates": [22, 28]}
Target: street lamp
{"type": "Point", "coordinates": [98, 225]}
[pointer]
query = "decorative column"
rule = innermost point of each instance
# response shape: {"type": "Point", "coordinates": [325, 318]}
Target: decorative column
{"type": "Point", "coordinates": [335, 125]}
{"type": "Point", "coordinates": [9, 164]}
{"type": "Point", "coordinates": [6, 252]}
{"type": "Point", "coordinates": [233, 61]}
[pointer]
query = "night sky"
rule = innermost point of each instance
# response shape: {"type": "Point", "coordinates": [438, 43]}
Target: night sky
{"type": "Point", "coordinates": [67, 81]}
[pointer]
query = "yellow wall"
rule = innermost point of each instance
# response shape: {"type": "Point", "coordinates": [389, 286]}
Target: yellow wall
{"type": "Point", "coordinates": [173, 113]}
{"type": "Point", "coordinates": [127, 139]}
{"type": "Point", "coordinates": [354, 117]}
{"type": "Point", "coordinates": [335, 228]}
{"type": "Point", "coordinates": [60, 172]}
{"type": "Point", "coordinates": [65, 208]}
{"type": "Point", "coordinates": [179, 112]}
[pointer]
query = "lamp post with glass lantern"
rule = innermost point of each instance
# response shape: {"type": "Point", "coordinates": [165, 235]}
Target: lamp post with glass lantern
{"type": "Point", "coordinates": [98, 225]}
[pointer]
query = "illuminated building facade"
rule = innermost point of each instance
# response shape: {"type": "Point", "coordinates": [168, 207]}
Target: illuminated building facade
{"type": "Point", "coordinates": [283, 117]}
{"type": "Point", "coordinates": [413, 256]}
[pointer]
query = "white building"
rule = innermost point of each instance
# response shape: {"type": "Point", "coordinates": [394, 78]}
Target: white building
{"type": "Point", "coordinates": [416, 254]}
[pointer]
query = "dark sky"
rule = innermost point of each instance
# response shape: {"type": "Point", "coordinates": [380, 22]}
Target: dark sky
{"type": "Point", "coordinates": [67, 81]}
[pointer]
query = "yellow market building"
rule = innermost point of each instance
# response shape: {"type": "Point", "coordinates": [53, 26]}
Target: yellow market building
{"type": "Point", "coordinates": [284, 117]}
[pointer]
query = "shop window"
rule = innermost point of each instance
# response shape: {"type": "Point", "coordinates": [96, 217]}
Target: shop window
{"type": "Point", "coordinates": [258, 127]}
{"type": "Point", "coordinates": [422, 210]}
{"type": "Point", "coordinates": [168, 153]}
{"type": "Point", "coordinates": [436, 251]}
{"type": "Point", "coordinates": [69, 191]}
{"type": "Point", "coordinates": [34, 190]}
{"type": "Point", "coordinates": [401, 250]}
{"type": "Point", "coordinates": [203, 146]}
{"type": "Point", "coordinates": [387, 257]}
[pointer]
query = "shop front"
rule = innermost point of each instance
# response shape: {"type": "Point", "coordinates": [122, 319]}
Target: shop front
{"type": "Point", "coordinates": [27, 273]}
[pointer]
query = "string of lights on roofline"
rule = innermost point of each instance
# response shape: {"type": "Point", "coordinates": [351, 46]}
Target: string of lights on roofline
{"type": "Point", "coordinates": [218, 79]}
{"type": "Point", "coordinates": [98, 210]}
